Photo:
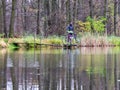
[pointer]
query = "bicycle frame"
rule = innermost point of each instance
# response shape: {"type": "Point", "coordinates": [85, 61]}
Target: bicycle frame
{"type": "Point", "coordinates": [70, 37]}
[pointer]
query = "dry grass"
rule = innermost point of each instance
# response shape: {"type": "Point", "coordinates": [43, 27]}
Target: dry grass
{"type": "Point", "coordinates": [93, 41]}
{"type": "Point", "coordinates": [3, 44]}
{"type": "Point", "coordinates": [15, 40]}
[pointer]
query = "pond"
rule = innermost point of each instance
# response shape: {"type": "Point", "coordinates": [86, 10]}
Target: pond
{"type": "Point", "coordinates": [60, 69]}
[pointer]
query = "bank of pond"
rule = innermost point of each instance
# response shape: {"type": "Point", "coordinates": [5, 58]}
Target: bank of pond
{"type": "Point", "coordinates": [59, 42]}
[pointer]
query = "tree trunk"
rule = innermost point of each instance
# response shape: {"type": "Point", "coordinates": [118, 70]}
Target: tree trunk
{"type": "Point", "coordinates": [47, 14]}
{"type": "Point", "coordinates": [68, 11]}
{"type": "Point", "coordinates": [38, 18]}
{"type": "Point", "coordinates": [12, 19]}
{"type": "Point", "coordinates": [25, 16]}
{"type": "Point", "coordinates": [4, 17]}
{"type": "Point", "coordinates": [1, 18]}
{"type": "Point", "coordinates": [74, 10]}
{"type": "Point", "coordinates": [91, 14]}
{"type": "Point", "coordinates": [105, 8]}
{"type": "Point", "coordinates": [18, 20]}
{"type": "Point", "coordinates": [105, 15]}
{"type": "Point", "coordinates": [119, 15]}
{"type": "Point", "coordinates": [115, 16]}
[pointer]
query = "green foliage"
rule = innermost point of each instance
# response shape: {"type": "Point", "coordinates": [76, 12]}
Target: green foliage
{"type": "Point", "coordinates": [82, 26]}
{"type": "Point", "coordinates": [98, 25]}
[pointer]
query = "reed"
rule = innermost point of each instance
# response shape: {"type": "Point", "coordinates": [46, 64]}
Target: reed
{"type": "Point", "coordinates": [95, 41]}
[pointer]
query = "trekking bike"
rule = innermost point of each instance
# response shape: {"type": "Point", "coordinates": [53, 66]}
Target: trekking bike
{"type": "Point", "coordinates": [70, 38]}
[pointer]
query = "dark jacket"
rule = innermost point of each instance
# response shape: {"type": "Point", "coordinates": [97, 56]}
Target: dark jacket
{"type": "Point", "coordinates": [70, 28]}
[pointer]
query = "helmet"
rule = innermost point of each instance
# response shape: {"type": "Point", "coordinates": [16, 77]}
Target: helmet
{"type": "Point", "coordinates": [70, 24]}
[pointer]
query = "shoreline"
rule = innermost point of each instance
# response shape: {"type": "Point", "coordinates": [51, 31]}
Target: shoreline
{"type": "Point", "coordinates": [38, 45]}
{"type": "Point", "coordinates": [28, 43]}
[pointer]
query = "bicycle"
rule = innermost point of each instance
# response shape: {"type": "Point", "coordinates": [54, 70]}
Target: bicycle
{"type": "Point", "coordinates": [70, 38]}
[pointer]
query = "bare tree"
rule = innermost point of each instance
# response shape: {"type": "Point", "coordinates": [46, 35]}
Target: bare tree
{"type": "Point", "coordinates": [24, 3]}
{"type": "Point", "coordinates": [115, 16]}
{"type": "Point", "coordinates": [12, 19]}
{"type": "Point", "coordinates": [47, 21]}
{"type": "Point", "coordinates": [38, 18]}
{"type": "Point", "coordinates": [105, 14]}
{"type": "Point", "coordinates": [91, 13]}
{"type": "Point", "coordinates": [74, 10]}
{"type": "Point", "coordinates": [68, 11]}
{"type": "Point", "coordinates": [19, 19]}
{"type": "Point", "coordinates": [4, 17]}
{"type": "Point", "coordinates": [1, 20]}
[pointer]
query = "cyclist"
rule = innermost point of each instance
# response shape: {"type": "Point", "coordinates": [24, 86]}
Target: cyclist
{"type": "Point", "coordinates": [70, 31]}
{"type": "Point", "coordinates": [70, 28]}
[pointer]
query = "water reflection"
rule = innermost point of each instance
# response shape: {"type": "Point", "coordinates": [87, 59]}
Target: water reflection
{"type": "Point", "coordinates": [58, 69]}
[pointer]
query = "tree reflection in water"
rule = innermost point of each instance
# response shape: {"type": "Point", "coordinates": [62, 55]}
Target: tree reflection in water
{"type": "Point", "coordinates": [57, 69]}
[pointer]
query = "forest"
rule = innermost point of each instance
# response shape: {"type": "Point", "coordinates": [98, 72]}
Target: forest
{"type": "Point", "coordinates": [19, 18]}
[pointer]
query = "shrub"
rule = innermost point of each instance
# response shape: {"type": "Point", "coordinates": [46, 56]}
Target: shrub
{"type": "Point", "coordinates": [82, 26]}
{"type": "Point", "coordinates": [98, 25]}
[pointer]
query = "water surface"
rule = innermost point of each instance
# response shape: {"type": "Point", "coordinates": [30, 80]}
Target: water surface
{"type": "Point", "coordinates": [59, 69]}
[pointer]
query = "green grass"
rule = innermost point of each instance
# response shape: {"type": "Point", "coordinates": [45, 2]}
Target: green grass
{"type": "Point", "coordinates": [31, 39]}
{"type": "Point", "coordinates": [55, 40]}
{"type": "Point", "coordinates": [114, 40]}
